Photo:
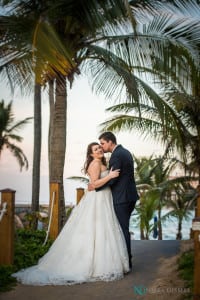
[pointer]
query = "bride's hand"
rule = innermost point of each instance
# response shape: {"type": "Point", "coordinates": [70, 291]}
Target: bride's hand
{"type": "Point", "coordinates": [114, 173]}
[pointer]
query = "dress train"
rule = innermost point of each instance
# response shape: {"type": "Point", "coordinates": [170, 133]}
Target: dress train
{"type": "Point", "coordinates": [90, 247]}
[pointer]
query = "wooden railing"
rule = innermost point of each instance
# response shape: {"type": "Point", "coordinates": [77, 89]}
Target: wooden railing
{"type": "Point", "coordinates": [7, 224]}
{"type": "Point", "coordinates": [79, 194]}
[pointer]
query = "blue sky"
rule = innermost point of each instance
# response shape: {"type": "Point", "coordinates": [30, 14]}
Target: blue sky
{"type": "Point", "coordinates": [85, 112]}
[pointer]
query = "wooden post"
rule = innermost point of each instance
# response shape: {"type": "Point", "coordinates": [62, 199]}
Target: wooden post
{"type": "Point", "coordinates": [54, 210]}
{"type": "Point", "coordinates": [196, 237]}
{"type": "Point", "coordinates": [79, 194]}
{"type": "Point", "coordinates": [197, 210]}
{"type": "Point", "coordinates": [7, 227]}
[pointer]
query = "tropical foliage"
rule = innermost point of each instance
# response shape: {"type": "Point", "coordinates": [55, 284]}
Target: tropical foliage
{"type": "Point", "coordinates": [29, 247]}
{"type": "Point", "coordinates": [144, 57]}
{"type": "Point", "coordinates": [8, 137]}
{"type": "Point", "coordinates": [59, 38]}
{"type": "Point", "coordinates": [170, 116]}
{"type": "Point", "coordinates": [159, 189]}
{"type": "Point", "coordinates": [181, 204]}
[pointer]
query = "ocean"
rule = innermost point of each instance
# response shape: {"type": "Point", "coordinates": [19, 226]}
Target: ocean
{"type": "Point", "coordinates": [169, 227]}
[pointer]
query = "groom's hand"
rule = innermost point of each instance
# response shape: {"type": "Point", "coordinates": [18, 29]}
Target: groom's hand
{"type": "Point", "coordinates": [91, 187]}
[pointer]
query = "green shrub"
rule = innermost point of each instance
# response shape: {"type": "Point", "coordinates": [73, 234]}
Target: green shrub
{"type": "Point", "coordinates": [6, 281]}
{"type": "Point", "coordinates": [186, 268]}
{"type": "Point", "coordinates": [28, 249]}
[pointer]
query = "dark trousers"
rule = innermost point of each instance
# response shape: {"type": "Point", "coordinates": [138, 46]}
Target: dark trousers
{"type": "Point", "coordinates": [123, 212]}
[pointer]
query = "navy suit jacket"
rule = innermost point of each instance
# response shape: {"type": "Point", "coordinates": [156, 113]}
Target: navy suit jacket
{"type": "Point", "coordinates": [123, 187]}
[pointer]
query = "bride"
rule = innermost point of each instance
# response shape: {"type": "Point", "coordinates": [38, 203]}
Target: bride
{"type": "Point", "coordinates": [91, 245]}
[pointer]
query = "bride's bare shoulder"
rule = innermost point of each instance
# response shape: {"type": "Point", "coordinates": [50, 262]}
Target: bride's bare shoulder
{"type": "Point", "coordinates": [94, 165]}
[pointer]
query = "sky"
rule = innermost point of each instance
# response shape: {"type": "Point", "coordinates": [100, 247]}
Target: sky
{"type": "Point", "coordinates": [85, 112]}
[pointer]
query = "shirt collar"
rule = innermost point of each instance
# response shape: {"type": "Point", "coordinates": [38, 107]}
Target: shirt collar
{"type": "Point", "coordinates": [115, 148]}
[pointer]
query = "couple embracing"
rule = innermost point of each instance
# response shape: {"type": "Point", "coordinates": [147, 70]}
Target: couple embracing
{"type": "Point", "coordinates": [94, 244]}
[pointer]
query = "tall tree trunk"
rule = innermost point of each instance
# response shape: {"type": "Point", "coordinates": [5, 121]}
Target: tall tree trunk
{"type": "Point", "coordinates": [142, 236]}
{"type": "Point", "coordinates": [58, 142]}
{"type": "Point", "coordinates": [51, 117]}
{"type": "Point", "coordinates": [160, 234]}
{"type": "Point", "coordinates": [179, 233]}
{"type": "Point", "coordinates": [36, 153]}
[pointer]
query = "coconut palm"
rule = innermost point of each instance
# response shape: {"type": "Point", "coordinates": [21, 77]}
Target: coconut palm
{"type": "Point", "coordinates": [153, 173]}
{"type": "Point", "coordinates": [157, 186]}
{"type": "Point", "coordinates": [75, 37]}
{"type": "Point", "coordinates": [17, 71]}
{"type": "Point", "coordinates": [8, 137]}
{"type": "Point", "coordinates": [36, 152]}
{"type": "Point", "coordinates": [161, 25]}
{"type": "Point", "coordinates": [146, 210]}
{"type": "Point", "coordinates": [100, 65]}
{"type": "Point", "coordinates": [19, 65]}
{"type": "Point", "coordinates": [76, 32]}
{"type": "Point", "coordinates": [144, 184]}
{"type": "Point", "coordinates": [182, 204]}
{"type": "Point", "coordinates": [174, 122]}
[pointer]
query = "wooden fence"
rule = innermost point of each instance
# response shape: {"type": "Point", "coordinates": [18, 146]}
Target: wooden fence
{"type": "Point", "coordinates": [7, 224]}
{"type": "Point", "coordinates": [7, 209]}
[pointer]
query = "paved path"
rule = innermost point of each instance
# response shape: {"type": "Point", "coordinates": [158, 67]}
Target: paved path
{"type": "Point", "coordinates": [146, 255]}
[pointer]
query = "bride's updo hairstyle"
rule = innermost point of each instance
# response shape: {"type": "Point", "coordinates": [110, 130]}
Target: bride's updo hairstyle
{"type": "Point", "coordinates": [89, 157]}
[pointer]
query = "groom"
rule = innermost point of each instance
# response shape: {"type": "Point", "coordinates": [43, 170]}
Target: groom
{"type": "Point", "coordinates": [123, 188]}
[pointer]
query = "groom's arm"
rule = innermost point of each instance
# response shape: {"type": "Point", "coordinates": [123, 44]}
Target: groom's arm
{"type": "Point", "coordinates": [91, 186]}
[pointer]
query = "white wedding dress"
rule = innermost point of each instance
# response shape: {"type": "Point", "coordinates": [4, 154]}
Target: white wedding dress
{"type": "Point", "coordinates": [90, 247]}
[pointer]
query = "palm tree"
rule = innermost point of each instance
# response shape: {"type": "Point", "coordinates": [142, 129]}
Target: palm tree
{"type": "Point", "coordinates": [17, 66]}
{"type": "Point", "coordinates": [154, 174]}
{"type": "Point", "coordinates": [158, 189]}
{"type": "Point", "coordinates": [8, 135]}
{"type": "Point", "coordinates": [36, 152]}
{"type": "Point", "coordinates": [144, 184]}
{"type": "Point", "coordinates": [172, 118]}
{"type": "Point", "coordinates": [146, 211]}
{"type": "Point", "coordinates": [181, 204]}
{"type": "Point", "coordinates": [93, 39]}
{"type": "Point", "coordinates": [16, 69]}
{"type": "Point", "coordinates": [162, 184]}
{"type": "Point", "coordinates": [77, 31]}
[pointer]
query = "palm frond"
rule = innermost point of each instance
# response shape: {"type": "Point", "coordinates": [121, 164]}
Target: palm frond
{"type": "Point", "coordinates": [79, 178]}
{"type": "Point", "coordinates": [18, 154]}
{"type": "Point", "coordinates": [111, 75]}
{"type": "Point", "coordinates": [19, 125]}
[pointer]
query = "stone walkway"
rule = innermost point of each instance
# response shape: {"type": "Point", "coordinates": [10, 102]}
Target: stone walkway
{"type": "Point", "coordinates": [146, 256]}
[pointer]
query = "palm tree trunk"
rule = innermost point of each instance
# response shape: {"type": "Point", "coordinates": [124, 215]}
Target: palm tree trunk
{"type": "Point", "coordinates": [58, 142]}
{"type": "Point", "coordinates": [36, 153]}
{"type": "Point", "coordinates": [51, 116]}
{"type": "Point", "coordinates": [142, 236]}
{"type": "Point", "coordinates": [160, 235]}
{"type": "Point", "coordinates": [179, 233]}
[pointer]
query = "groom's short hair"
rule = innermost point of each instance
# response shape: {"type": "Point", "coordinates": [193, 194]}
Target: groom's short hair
{"type": "Point", "coordinates": [108, 136]}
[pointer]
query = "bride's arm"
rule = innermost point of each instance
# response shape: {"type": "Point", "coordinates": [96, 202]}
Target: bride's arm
{"type": "Point", "coordinates": [94, 172]}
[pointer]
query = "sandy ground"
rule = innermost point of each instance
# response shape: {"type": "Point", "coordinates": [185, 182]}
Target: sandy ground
{"type": "Point", "coordinates": [168, 284]}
